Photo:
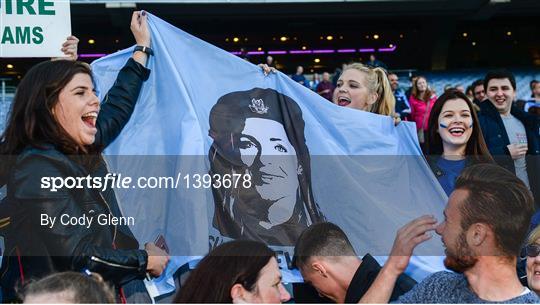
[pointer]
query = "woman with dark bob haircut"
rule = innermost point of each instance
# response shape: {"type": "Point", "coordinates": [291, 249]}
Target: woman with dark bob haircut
{"type": "Point", "coordinates": [239, 271]}
{"type": "Point", "coordinates": [455, 139]}
{"type": "Point", "coordinates": [54, 131]}
{"type": "Point", "coordinates": [259, 134]}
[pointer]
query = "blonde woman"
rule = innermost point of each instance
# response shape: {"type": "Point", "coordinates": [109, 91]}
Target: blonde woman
{"type": "Point", "coordinates": [366, 89]}
{"type": "Point", "coordinates": [363, 88]}
{"type": "Point", "coordinates": [533, 260]}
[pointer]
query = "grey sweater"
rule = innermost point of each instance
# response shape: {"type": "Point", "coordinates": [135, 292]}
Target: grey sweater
{"type": "Point", "coordinates": [452, 288]}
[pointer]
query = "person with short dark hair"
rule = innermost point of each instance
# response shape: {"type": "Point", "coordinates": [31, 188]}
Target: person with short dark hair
{"type": "Point", "coordinates": [532, 84]}
{"type": "Point", "coordinates": [327, 260]}
{"type": "Point", "coordinates": [375, 63]}
{"type": "Point", "coordinates": [534, 102]}
{"type": "Point", "coordinates": [314, 82]}
{"type": "Point", "coordinates": [479, 92]}
{"type": "Point", "coordinates": [325, 88]}
{"type": "Point", "coordinates": [337, 74]}
{"type": "Point", "coordinates": [403, 108]}
{"type": "Point", "coordinates": [485, 224]}
{"type": "Point", "coordinates": [270, 61]}
{"type": "Point", "coordinates": [469, 93]}
{"type": "Point", "coordinates": [511, 134]}
{"type": "Point", "coordinates": [299, 76]}
{"type": "Point", "coordinates": [239, 271]}
{"type": "Point", "coordinates": [69, 287]}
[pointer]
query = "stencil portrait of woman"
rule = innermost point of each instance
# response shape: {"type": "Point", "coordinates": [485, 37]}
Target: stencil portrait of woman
{"type": "Point", "coordinates": [260, 133]}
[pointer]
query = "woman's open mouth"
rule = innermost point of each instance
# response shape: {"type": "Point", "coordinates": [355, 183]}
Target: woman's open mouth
{"type": "Point", "coordinates": [90, 119]}
{"type": "Point", "coordinates": [456, 131]}
{"type": "Point", "coordinates": [343, 101]}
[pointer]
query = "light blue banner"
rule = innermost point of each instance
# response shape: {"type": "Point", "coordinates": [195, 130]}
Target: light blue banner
{"type": "Point", "coordinates": [205, 111]}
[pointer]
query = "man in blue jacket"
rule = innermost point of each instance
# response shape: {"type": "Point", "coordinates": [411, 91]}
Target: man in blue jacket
{"type": "Point", "coordinates": [512, 135]}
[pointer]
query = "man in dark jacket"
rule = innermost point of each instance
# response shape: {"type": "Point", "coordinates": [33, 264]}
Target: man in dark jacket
{"type": "Point", "coordinates": [328, 262]}
{"type": "Point", "coordinates": [403, 108]}
{"type": "Point", "coordinates": [512, 136]}
{"type": "Point", "coordinates": [299, 76]}
{"type": "Point", "coordinates": [479, 92]}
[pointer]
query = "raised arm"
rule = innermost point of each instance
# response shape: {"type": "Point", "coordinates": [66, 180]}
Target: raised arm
{"type": "Point", "coordinates": [119, 103]}
{"type": "Point", "coordinates": [407, 238]}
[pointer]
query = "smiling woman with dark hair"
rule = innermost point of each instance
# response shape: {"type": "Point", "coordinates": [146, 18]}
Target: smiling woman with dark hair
{"type": "Point", "coordinates": [260, 133]}
{"type": "Point", "coordinates": [455, 138]}
{"type": "Point", "coordinates": [58, 128]}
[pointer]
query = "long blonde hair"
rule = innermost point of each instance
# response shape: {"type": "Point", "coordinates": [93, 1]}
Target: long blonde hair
{"type": "Point", "coordinates": [377, 82]}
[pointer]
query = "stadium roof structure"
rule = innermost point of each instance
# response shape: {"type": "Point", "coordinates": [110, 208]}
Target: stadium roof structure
{"type": "Point", "coordinates": [469, 9]}
{"type": "Point", "coordinates": [429, 34]}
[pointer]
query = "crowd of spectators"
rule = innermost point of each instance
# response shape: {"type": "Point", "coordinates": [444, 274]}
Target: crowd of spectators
{"type": "Point", "coordinates": [483, 145]}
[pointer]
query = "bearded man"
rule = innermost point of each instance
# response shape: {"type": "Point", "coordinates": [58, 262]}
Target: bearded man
{"type": "Point", "coordinates": [485, 223]}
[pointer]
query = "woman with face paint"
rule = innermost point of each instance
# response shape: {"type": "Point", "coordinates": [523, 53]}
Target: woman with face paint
{"type": "Point", "coordinates": [455, 139]}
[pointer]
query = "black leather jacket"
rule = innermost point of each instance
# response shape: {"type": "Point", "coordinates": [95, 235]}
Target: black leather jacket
{"type": "Point", "coordinates": [37, 249]}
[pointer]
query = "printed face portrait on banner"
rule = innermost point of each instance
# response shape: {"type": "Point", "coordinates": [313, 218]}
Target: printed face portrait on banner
{"type": "Point", "coordinates": [260, 134]}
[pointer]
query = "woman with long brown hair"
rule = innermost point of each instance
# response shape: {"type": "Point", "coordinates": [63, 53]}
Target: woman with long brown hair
{"type": "Point", "coordinates": [57, 130]}
{"type": "Point", "coordinates": [455, 138]}
{"type": "Point", "coordinates": [240, 271]}
{"type": "Point", "coordinates": [422, 100]}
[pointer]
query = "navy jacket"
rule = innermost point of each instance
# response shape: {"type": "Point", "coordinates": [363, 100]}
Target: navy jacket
{"type": "Point", "coordinates": [497, 141]}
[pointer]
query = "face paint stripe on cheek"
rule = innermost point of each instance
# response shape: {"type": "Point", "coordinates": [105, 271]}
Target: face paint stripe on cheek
{"type": "Point", "coordinates": [442, 125]}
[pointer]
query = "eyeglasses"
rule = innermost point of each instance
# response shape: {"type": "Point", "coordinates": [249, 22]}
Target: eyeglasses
{"type": "Point", "coordinates": [533, 250]}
